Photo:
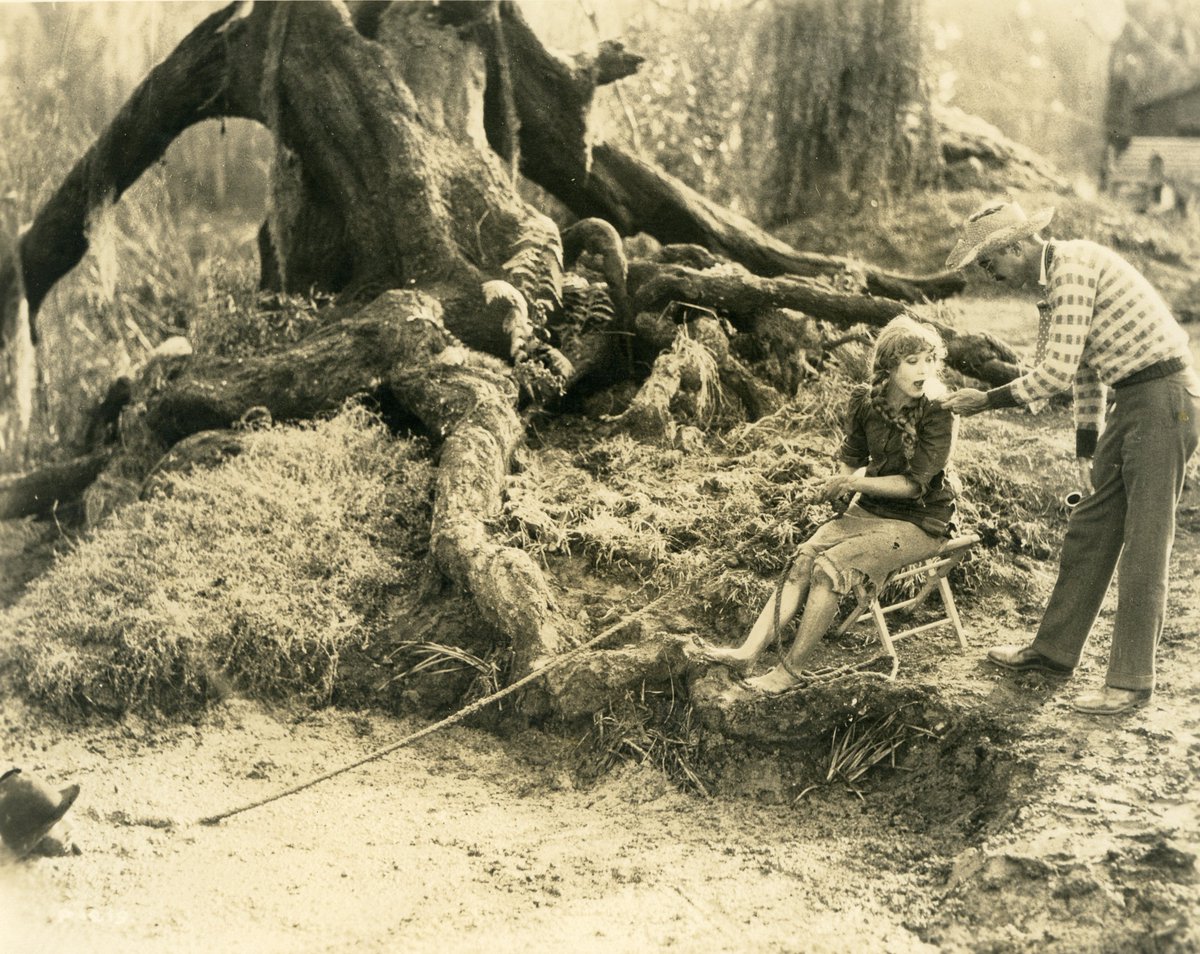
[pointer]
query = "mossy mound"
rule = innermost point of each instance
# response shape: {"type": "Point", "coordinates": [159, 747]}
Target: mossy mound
{"type": "Point", "coordinates": [252, 577]}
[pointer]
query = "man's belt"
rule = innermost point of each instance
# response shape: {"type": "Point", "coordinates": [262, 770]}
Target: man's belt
{"type": "Point", "coordinates": [1160, 369]}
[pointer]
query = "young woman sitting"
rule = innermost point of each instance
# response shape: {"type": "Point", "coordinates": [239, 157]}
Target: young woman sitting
{"type": "Point", "coordinates": [894, 457]}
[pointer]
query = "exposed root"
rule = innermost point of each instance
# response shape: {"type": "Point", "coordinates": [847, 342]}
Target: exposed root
{"type": "Point", "coordinates": [541, 369]}
{"type": "Point", "coordinates": [471, 402]}
{"type": "Point", "coordinates": [694, 380]}
{"type": "Point", "coordinates": [688, 365]}
{"type": "Point", "coordinates": [39, 491]}
{"type": "Point", "coordinates": [600, 239]}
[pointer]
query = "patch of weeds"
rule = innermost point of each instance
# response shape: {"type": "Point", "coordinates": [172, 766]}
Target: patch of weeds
{"type": "Point", "coordinates": [860, 745]}
{"type": "Point", "coordinates": [235, 320]}
{"type": "Point", "coordinates": [652, 727]}
{"type": "Point", "coordinates": [427, 658]}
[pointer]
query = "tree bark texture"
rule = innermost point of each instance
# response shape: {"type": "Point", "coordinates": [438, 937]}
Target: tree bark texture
{"type": "Point", "coordinates": [740, 295]}
{"type": "Point", "coordinates": [474, 406]}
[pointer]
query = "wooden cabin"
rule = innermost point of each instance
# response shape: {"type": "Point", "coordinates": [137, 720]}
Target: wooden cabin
{"type": "Point", "coordinates": [1159, 165]}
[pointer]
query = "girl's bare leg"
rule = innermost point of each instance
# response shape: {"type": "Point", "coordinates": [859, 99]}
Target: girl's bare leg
{"type": "Point", "coordinates": [795, 588]}
{"type": "Point", "coordinates": [819, 611]}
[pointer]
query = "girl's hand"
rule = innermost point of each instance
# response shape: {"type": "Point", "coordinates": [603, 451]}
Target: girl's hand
{"type": "Point", "coordinates": [835, 487]}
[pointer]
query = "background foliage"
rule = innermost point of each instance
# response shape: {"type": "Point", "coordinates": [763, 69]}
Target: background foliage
{"type": "Point", "coordinates": [764, 105]}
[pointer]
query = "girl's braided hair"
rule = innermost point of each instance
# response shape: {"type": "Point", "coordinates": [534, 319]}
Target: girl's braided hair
{"type": "Point", "coordinates": [902, 336]}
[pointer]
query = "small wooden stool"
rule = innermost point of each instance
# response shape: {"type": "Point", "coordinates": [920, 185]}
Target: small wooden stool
{"type": "Point", "coordinates": [934, 570]}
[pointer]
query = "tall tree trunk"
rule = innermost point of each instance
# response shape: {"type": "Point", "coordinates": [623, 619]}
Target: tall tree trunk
{"type": "Point", "coordinates": [842, 125]}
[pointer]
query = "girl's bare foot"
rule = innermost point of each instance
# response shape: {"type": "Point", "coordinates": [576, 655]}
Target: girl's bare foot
{"type": "Point", "coordinates": [723, 655]}
{"type": "Point", "coordinates": [773, 681]}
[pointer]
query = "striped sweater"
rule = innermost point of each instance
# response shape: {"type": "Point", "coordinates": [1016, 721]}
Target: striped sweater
{"type": "Point", "coordinates": [1105, 322]}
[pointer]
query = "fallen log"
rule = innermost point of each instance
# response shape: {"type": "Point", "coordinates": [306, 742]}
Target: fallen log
{"type": "Point", "coordinates": [741, 296]}
{"type": "Point", "coordinates": [639, 197]}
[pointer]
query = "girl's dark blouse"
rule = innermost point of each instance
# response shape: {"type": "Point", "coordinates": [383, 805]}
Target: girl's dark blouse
{"type": "Point", "coordinates": [871, 440]}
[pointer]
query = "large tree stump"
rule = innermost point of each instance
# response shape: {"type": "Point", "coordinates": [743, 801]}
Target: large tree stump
{"type": "Point", "coordinates": [398, 127]}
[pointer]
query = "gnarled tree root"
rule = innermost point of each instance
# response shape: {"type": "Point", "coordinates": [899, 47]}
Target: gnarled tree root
{"type": "Point", "coordinates": [471, 400]}
{"type": "Point", "coordinates": [37, 492]}
{"type": "Point", "coordinates": [695, 361]}
{"type": "Point", "coordinates": [398, 350]}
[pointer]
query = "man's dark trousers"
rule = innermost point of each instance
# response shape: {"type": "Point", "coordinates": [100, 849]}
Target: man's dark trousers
{"type": "Point", "coordinates": [1128, 525]}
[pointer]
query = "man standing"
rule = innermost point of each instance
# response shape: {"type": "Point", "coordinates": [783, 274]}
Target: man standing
{"type": "Point", "coordinates": [1102, 326]}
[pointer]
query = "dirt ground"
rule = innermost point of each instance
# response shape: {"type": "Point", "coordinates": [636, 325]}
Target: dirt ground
{"type": "Point", "coordinates": [478, 839]}
{"type": "Point", "coordinates": [474, 840]}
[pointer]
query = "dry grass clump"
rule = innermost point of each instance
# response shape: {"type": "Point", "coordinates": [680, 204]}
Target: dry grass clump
{"type": "Point", "coordinates": [414, 657]}
{"type": "Point", "coordinates": [252, 577]}
{"type": "Point", "coordinates": [858, 746]}
{"type": "Point", "coordinates": [148, 272]}
{"type": "Point", "coordinates": [1015, 468]}
{"type": "Point", "coordinates": [650, 728]}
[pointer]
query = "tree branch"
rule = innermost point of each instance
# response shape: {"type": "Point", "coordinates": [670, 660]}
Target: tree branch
{"type": "Point", "coordinates": [189, 86]}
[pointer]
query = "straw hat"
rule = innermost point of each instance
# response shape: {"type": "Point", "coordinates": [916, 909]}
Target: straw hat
{"type": "Point", "coordinates": [29, 808]}
{"type": "Point", "coordinates": [992, 227]}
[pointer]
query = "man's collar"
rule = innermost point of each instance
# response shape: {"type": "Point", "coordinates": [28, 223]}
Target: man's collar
{"type": "Point", "coordinates": [1043, 278]}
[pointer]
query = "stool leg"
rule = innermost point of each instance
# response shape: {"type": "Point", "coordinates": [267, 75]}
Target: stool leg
{"type": "Point", "coordinates": [927, 587]}
{"type": "Point", "coordinates": [885, 637]}
{"type": "Point", "coordinates": [952, 611]}
{"type": "Point", "coordinates": [854, 617]}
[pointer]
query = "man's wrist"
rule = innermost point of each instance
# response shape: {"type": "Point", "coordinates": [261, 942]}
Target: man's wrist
{"type": "Point", "coordinates": [1001, 397]}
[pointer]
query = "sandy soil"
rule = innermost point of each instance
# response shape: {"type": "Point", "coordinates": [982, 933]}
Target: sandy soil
{"type": "Point", "coordinates": [476, 840]}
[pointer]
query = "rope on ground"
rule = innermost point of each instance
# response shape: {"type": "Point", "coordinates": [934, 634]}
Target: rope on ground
{"type": "Point", "coordinates": [451, 719]}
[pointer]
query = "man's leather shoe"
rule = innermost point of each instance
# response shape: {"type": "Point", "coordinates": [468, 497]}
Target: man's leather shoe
{"type": "Point", "coordinates": [1026, 659]}
{"type": "Point", "coordinates": [1111, 700]}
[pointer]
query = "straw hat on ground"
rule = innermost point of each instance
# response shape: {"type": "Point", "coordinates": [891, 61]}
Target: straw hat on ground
{"type": "Point", "coordinates": [992, 227]}
{"type": "Point", "coordinates": [29, 808]}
